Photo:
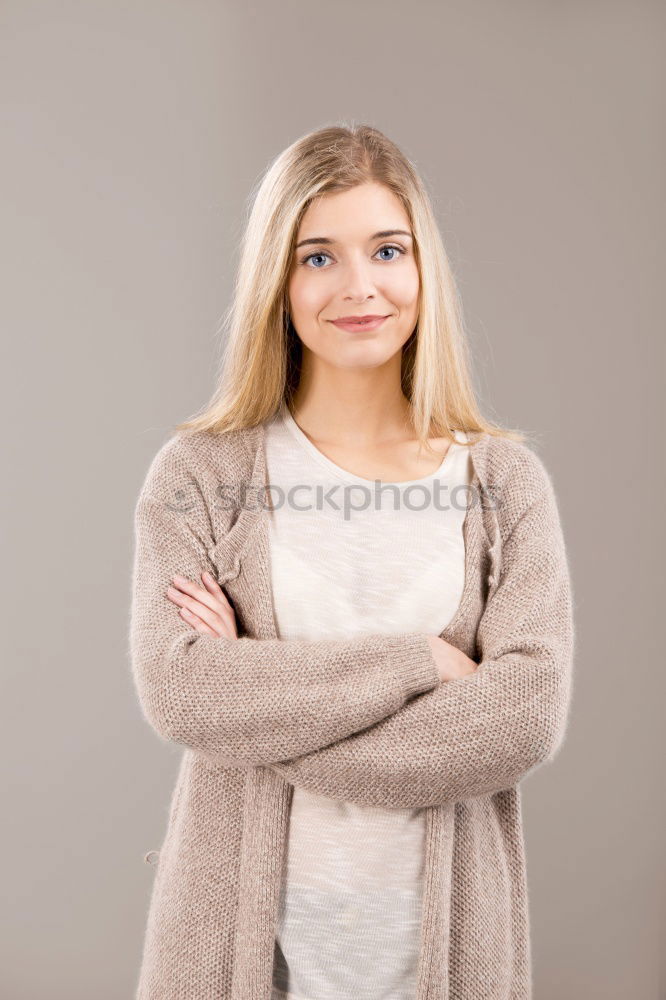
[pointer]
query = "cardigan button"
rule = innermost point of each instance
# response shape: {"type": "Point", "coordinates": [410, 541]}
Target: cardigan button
{"type": "Point", "coordinates": [230, 573]}
{"type": "Point", "coordinates": [147, 855]}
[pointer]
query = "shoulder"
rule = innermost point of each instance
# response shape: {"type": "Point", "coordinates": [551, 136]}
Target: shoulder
{"type": "Point", "coordinates": [516, 477]}
{"type": "Point", "coordinates": [509, 460]}
{"type": "Point", "coordinates": [199, 460]}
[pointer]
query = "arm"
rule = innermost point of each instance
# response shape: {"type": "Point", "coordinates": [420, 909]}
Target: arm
{"type": "Point", "coordinates": [247, 701]}
{"type": "Point", "coordinates": [484, 732]}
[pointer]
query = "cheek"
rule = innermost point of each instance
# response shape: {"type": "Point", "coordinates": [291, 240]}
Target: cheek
{"type": "Point", "coordinates": [307, 296]}
{"type": "Point", "coordinates": [403, 287]}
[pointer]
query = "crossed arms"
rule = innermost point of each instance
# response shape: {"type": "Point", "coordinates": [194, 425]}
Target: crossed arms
{"type": "Point", "coordinates": [363, 720]}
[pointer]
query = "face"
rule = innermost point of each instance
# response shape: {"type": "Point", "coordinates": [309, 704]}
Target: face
{"type": "Point", "coordinates": [342, 268]}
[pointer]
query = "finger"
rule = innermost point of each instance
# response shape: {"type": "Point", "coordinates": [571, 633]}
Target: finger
{"type": "Point", "coordinates": [199, 592]}
{"type": "Point", "coordinates": [225, 609]}
{"type": "Point", "coordinates": [196, 622]}
{"type": "Point", "coordinates": [211, 584]}
{"type": "Point", "coordinates": [224, 629]}
{"type": "Point", "coordinates": [215, 599]}
{"type": "Point", "coordinates": [203, 611]}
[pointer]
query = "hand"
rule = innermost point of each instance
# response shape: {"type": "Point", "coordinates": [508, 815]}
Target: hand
{"type": "Point", "coordinates": [205, 608]}
{"type": "Point", "coordinates": [451, 662]}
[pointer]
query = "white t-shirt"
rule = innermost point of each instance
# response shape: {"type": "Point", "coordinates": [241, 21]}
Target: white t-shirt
{"type": "Point", "coordinates": [350, 907]}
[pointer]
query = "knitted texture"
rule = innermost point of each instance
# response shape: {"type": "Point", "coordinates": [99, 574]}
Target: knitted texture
{"type": "Point", "coordinates": [483, 732]}
{"type": "Point", "coordinates": [364, 720]}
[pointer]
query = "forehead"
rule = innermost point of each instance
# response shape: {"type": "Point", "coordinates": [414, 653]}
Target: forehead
{"type": "Point", "coordinates": [354, 213]}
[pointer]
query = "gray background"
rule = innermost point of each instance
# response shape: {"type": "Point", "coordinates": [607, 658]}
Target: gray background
{"type": "Point", "coordinates": [132, 134]}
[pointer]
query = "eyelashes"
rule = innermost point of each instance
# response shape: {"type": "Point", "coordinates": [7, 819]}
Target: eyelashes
{"type": "Point", "coordinates": [401, 252]}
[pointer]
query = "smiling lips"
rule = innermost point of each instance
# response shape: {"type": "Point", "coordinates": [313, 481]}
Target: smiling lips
{"type": "Point", "coordinates": [359, 322]}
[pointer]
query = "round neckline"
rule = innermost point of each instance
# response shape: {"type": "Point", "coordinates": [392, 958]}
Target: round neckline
{"type": "Point", "coordinates": [337, 470]}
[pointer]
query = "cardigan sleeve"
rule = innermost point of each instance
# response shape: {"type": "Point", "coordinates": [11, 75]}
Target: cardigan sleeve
{"type": "Point", "coordinates": [484, 732]}
{"type": "Point", "coordinates": [245, 701]}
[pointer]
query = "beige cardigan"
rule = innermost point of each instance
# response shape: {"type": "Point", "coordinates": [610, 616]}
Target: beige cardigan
{"type": "Point", "coordinates": [364, 720]}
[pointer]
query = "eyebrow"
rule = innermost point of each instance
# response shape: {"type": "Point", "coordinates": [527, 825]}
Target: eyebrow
{"type": "Point", "coordinates": [375, 236]}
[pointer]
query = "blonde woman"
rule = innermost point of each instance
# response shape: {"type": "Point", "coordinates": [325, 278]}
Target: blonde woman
{"type": "Point", "coordinates": [352, 609]}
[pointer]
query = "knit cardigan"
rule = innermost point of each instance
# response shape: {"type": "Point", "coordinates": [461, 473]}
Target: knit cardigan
{"type": "Point", "coordinates": [364, 720]}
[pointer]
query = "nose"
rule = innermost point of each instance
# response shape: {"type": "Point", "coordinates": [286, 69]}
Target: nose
{"type": "Point", "coordinates": [358, 280]}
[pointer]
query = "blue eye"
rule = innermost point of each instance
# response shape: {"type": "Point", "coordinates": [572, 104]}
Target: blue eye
{"type": "Point", "coordinates": [312, 256]}
{"type": "Point", "coordinates": [388, 246]}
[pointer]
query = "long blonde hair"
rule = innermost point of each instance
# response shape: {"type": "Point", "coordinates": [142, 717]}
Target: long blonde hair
{"type": "Point", "coordinates": [260, 362]}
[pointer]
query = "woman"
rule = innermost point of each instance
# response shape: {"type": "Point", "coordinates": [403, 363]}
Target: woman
{"type": "Point", "coordinates": [359, 684]}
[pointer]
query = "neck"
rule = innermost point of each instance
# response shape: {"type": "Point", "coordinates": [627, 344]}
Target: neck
{"type": "Point", "coordinates": [360, 407]}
